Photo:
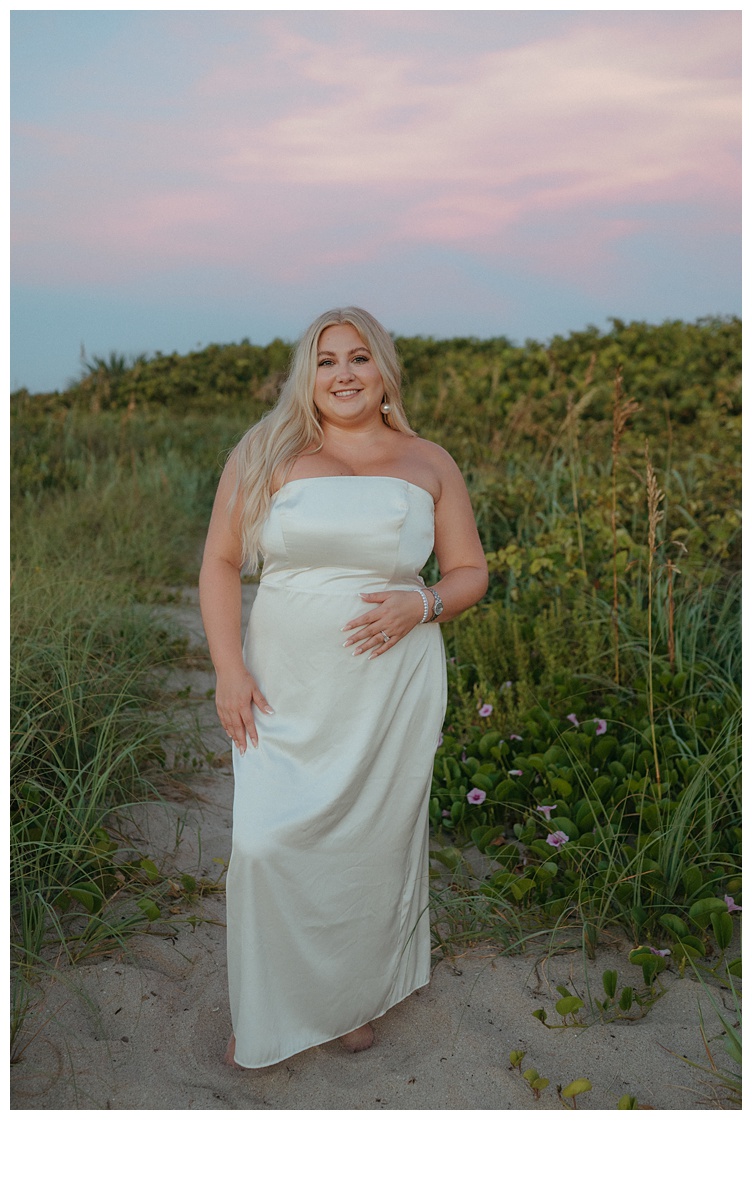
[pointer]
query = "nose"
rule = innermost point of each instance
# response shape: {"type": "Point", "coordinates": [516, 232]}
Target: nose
{"type": "Point", "coordinates": [345, 371]}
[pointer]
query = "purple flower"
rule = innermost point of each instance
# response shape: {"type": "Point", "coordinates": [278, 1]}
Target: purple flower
{"type": "Point", "coordinates": [731, 905]}
{"type": "Point", "coordinates": [662, 953]}
{"type": "Point", "coordinates": [508, 684]}
{"type": "Point", "coordinates": [445, 812]}
{"type": "Point", "coordinates": [571, 717]}
{"type": "Point", "coordinates": [515, 772]}
{"type": "Point", "coordinates": [441, 739]}
{"type": "Point", "coordinates": [600, 726]}
{"type": "Point", "coordinates": [475, 796]}
{"type": "Point", "coordinates": [546, 809]}
{"type": "Point", "coordinates": [557, 838]}
{"type": "Point", "coordinates": [515, 737]}
{"type": "Point", "coordinates": [485, 710]}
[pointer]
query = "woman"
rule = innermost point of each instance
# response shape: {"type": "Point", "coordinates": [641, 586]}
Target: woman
{"type": "Point", "coordinates": [335, 701]}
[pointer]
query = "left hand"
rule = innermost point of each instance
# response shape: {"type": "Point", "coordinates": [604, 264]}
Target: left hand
{"type": "Point", "coordinates": [394, 613]}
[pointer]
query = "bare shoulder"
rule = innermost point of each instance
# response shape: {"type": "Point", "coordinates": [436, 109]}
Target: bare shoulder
{"type": "Point", "coordinates": [440, 463]}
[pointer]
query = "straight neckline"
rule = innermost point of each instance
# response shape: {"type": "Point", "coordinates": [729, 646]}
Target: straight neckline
{"type": "Point", "coordinates": [396, 478]}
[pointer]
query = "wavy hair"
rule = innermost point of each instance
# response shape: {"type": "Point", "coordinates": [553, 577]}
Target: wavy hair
{"type": "Point", "coordinates": [293, 425]}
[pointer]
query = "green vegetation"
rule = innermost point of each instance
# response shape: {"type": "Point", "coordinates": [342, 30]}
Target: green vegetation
{"type": "Point", "coordinates": [591, 753]}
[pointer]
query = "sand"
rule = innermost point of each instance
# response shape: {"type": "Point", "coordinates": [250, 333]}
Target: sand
{"type": "Point", "coordinates": [146, 1027]}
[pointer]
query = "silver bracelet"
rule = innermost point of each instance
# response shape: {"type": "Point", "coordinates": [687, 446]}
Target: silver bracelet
{"type": "Point", "coordinates": [424, 597]}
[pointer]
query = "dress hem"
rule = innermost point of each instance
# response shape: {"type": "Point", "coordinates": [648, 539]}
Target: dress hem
{"type": "Point", "coordinates": [311, 1045]}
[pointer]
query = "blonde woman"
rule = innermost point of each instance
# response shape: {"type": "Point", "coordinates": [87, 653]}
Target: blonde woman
{"type": "Point", "coordinates": [335, 700]}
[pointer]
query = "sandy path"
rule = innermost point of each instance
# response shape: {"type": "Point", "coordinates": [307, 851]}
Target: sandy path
{"type": "Point", "coordinates": [146, 1028]}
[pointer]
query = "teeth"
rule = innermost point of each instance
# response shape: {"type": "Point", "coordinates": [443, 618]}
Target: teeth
{"type": "Point", "coordinates": [351, 392]}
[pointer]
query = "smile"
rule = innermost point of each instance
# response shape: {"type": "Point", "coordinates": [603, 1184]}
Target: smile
{"type": "Point", "coordinates": [346, 395]}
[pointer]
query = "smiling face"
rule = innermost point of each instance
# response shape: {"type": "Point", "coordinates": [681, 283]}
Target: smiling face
{"type": "Point", "coordinates": [349, 387]}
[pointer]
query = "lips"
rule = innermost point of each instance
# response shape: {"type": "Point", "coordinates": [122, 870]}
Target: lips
{"type": "Point", "coordinates": [345, 395]}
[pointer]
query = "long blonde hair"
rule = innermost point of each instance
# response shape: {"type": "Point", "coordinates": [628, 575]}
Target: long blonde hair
{"type": "Point", "coordinates": [293, 425]}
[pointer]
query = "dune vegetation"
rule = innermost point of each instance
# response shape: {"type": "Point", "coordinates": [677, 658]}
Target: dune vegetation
{"type": "Point", "coordinates": [589, 774]}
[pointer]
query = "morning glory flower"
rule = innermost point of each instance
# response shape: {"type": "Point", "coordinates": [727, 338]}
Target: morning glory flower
{"type": "Point", "coordinates": [557, 838]}
{"type": "Point", "coordinates": [475, 796]}
{"type": "Point", "coordinates": [546, 809]}
{"type": "Point", "coordinates": [441, 739]}
{"type": "Point", "coordinates": [485, 710]}
{"type": "Point", "coordinates": [661, 953]}
{"type": "Point", "coordinates": [601, 726]}
{"type": "Point", "coordinates": [508, 684]}
{"type": "Point", "coordinates": [731, 905]}
{"type": "Point", "coordinates": [515, 772]}
{"type": "Point", "coordinates": [571, 717]}
{"type": "Point", "coordinates": [515, 737]}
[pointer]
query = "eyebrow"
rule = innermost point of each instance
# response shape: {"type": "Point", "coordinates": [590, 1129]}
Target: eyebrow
{"type": "Point", "coordinates": [330, 353]}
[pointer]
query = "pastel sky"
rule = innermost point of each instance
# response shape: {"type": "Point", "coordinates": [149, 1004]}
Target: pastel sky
{"type": "Point", "coordinates": [187, 177]}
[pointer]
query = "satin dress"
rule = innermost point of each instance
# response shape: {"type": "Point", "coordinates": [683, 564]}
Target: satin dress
{"type": "Point", "coordinates": [327, 887]}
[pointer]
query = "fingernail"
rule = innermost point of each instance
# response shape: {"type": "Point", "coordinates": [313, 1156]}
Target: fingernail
{"type": "Point", "coordinates": [270, 711]}
{"type": "Point", "coordinates": [347, 643]}
{"type": "Point", "coordinates": [356, 652]}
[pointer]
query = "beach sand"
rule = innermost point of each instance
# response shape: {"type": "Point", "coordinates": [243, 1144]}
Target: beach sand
{"type": "Point", "coordinates": [146, 1027]}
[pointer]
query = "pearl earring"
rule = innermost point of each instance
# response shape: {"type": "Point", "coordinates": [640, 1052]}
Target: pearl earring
{"type": "Point", "coordinates": [386, 407]}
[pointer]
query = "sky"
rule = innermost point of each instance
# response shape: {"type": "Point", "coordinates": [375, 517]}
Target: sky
{"type": "Point", "coordinates": [186, 177]}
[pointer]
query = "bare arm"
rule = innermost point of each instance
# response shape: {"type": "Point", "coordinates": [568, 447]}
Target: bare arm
{"type": "Point", "coordinates": [220, 597]}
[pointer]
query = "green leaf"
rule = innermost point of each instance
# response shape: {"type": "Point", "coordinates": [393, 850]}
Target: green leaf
{"type": "Point", "coordinates": [559, 785]}
{"type": "Point", "coordinates": [450, 857]}
{"type": "Point", "coordinates": [576, 1088]}
{"type": "Point", "coordinates": [483, 782]}
{"type": "Point", "coordinates": [626, 999]}
{"type": "Point", "coordinates": [541, 1015]}
{"type": "Point", "coordinates": [701, 910]}
{"type": "Point", "coordinates": [609, 983]}
{"type": "Point", "coordinates": [568, 1005]}
{"type": "Point", "coordinates": [150, 869]}
{"type": "Point", "coordinates": [627, 1102]}
{"type": "Point", "coordinates": [530, 1075]}
{"type": "Point", "coordinates": [723, 928]}
{"type": "Point", "coordinates": [735, 967]}
{"type": "Point", "coordinates": [87, 894]}
{"type": "Point", "coordinates": [674, 925]}
{"type": "Point", "coordinates": [148, 908]}
{"type": "Point", "coordinates": [685, 949]}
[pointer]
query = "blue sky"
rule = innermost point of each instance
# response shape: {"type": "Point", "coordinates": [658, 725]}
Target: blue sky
{"type": "Point", "coordinates": [186, 177]}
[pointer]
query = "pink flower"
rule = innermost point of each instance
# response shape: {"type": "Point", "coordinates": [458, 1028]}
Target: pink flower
{"type": "Point", "coordinates": [557, 838]}
{"type": "Point", "coordinates": [515, 772]}
{"type": "Point", "coordinates": [546, 809]}
{"type": "Point", "coordinates": [508, 684]}
{"type": "Point", "coordinates": [600, 726]}
{"type": "Point", "coordinates": [515, 737]}
{"type": "Point", "coordinates": [445, 812]}
{"type": "Point", "coordinates": [731, 905]}
{"type": "Point", "coordinates": [662, 953]}
{"type": "Point", "coordinates": [485, 710]}
{"type": "Point", "coordinates": [571, 717]}
{"type": "Point", "coordinates": [441, 739]}
{"type": "Point", "coordinates": [475, 796]}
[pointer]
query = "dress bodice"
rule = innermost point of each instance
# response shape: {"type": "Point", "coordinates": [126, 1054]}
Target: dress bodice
{"type": "Point", "coordinates": [344, 531]}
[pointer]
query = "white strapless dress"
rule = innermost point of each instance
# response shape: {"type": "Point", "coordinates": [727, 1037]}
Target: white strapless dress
{"type": "Point", "coordinates": [327, 888]}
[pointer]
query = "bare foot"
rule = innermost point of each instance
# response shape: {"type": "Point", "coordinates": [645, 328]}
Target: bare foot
{"type": "Point", "coordinates": [359, 1039]}
{"type": "Point", "coordinates": [230, 1054]}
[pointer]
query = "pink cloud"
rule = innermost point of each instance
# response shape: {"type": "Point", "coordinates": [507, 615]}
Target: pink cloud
{"type": "Point", "coordinates": [329, 150]}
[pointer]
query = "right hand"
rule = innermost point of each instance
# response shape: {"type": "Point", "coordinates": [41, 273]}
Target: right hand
{"type": "Point", "coordinates": [237, 692]}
